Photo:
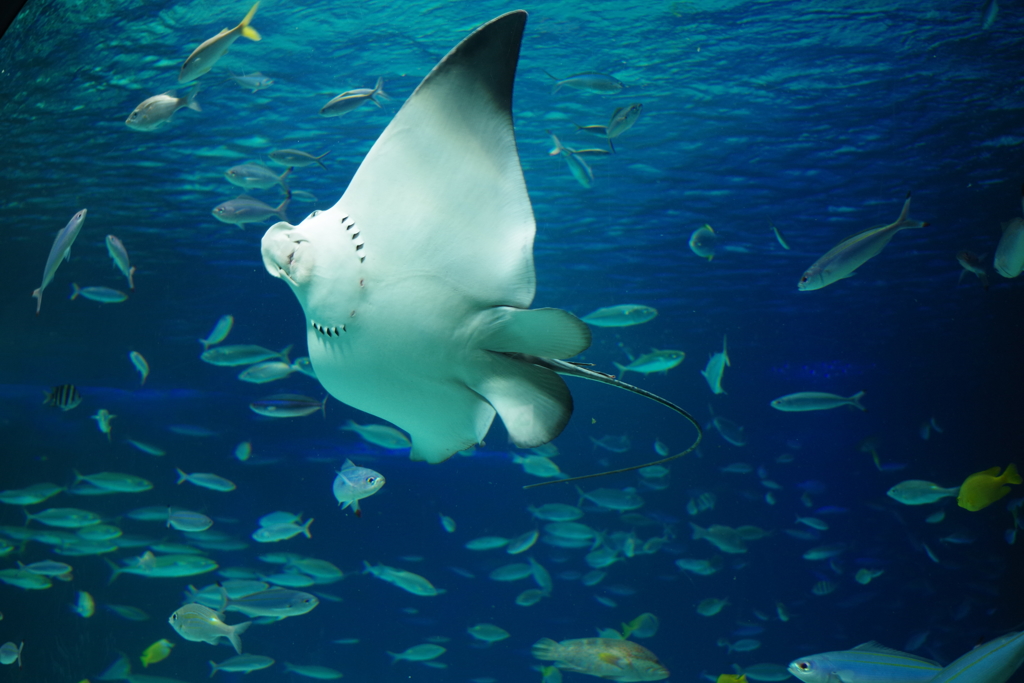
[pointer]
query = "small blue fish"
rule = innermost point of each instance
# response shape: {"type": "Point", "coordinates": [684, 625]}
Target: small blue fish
{"type": "Point", "coordinates": [354, 483]}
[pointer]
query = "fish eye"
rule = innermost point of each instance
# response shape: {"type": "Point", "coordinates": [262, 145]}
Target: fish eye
{"type": "Point", "coordinates": [803, 666]}
{"type": "Point", "coordinates": [371, 480]}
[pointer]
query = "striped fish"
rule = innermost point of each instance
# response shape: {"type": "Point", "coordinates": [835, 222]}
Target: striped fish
{"type": "Point", "coordinates": [65, 397]}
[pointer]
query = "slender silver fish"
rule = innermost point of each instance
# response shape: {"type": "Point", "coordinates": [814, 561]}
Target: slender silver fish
{"type": "Point", "coordinates": [353, 99]}
{"type": "Point", "coordinates": [206, 55]}
{"type": "Point", "coordinates": [843, 259]}
{"type": "Point", "coordinates": [120, 255]}
{"type": "Point", "coordinates": [60, 251]}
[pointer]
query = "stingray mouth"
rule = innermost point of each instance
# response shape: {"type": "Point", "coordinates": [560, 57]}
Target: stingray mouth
{"type": "Point", "coordinates": [327, 330]}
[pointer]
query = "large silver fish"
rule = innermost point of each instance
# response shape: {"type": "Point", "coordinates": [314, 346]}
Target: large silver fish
{"type": "Point", "coordinates": [60, 251]}
{"type": "Point", "coordinates": [853, 252]}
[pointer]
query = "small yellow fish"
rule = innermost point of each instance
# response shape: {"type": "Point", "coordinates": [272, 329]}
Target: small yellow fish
{"type": "Point", "coordinates": [732, 678]}
{"type": "Point", "coordinates": [157, 652]}
{"type": "Point", "coordinates": [984, 488]}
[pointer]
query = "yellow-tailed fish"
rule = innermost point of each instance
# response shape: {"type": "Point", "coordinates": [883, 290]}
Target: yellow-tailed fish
{"type": "Point", "coordinates": [157, 652]}
{"type": "Point", "coordinates": [206, 55]}
{"type": "Point", "coordinates": [984, 488]}
{"type": "Point", "coordinates": [731, 678]}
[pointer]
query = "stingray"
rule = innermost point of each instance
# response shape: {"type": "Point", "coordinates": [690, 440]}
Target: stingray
{"type": "Point", "coordinates": [416, 286]}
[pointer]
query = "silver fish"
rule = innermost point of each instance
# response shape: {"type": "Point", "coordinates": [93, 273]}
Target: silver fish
{"type": "Point", "coordinates": [353, 99]}
{"type": "Point", "coordinates": [252, 82]}
{"type": "Point", "coordinates": [60, 251]}
{"type": "Point", "coordinates": [297, 158]}
{"type": "Point", "coordinates": [240, 354]}
{"type": "Point", "coordinates": [354, 483]}
{"type": "Point", "coordinates": [589, 81]}
{"type": "Point", "coordinates": [120, 255]}
{"type": "Point", "coordinates": [157, 110]}
{"type": "Point", "coordinates": [288, 405]}
{"type": "Point", "coordinates": [219, 332]}
{"type": "Point", "coordinates": [622, 120]}
{"type": "Point", "coordinates": [579, 168]}
{"type": "Point", "coordinates": [816, 400]}
{"type": "Point", "coordinates": [258, 176]}
{"type": "Point", "coordinates": [843, 259]}
{"type": "Point", "coordinates": [245, 209]}
{"type": "Point", "coordinates": [104, 295]}
{"type": "Point", "coordinates": [206, 55]}
{"type": "Point", "coordinates": [201, 624]}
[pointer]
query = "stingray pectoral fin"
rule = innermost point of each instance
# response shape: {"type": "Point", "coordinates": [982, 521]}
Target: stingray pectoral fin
{"type": "Point", "coordinates": [533, 402]}
{"type": "Point", "coordinates": [544, 332]}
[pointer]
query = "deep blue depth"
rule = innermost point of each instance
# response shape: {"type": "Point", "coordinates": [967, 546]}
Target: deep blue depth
{"type": "Point", "coordinates": [817, 116]}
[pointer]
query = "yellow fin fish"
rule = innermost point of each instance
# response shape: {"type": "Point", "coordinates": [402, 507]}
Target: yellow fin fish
{"type": "Point", "coordinates": [157, 652]}
{"type": "Point", "coordinates": [984, 488]}
{"type": "Point", "coordinates": [732, 678]}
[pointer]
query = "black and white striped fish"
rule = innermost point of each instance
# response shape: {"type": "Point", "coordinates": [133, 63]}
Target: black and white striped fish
{"type": "Point", "coordinates": [65, 397]}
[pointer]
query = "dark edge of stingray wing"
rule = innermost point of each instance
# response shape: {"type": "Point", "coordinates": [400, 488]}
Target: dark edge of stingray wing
{"type": "Point", "coordinates": [442, 190]}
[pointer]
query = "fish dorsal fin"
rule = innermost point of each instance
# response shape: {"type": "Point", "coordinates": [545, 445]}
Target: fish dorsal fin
{"type": "Point", "coordinates": [878, 648]}
{"type": "Point", "coordinates": [245, 196]}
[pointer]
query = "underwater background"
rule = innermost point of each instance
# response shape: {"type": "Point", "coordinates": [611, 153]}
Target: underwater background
{"type": "Point", "coordinates": [817, 117]}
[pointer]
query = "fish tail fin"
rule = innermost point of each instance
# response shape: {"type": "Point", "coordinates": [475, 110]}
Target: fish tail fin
{"type": "Point", "coordinates": [1011, 476]}
{"type": "Point", "coordinates": [283, 206]}
{"type": "Point", "coordinates": [247, 30]}
{"type": "Point", "coordinates": [305, 528]}
{"type": "Point", "coordinates": [78, 476]}
{"type": "Point", "coordinates": [725, 345]}
{"type": "Point", "coordinates": [378, 91]}
{"type": "Point", "coordinates": [323, 406]}
{"type": "Point", "coordinates": [213, 668]}
{"type": "Point", "coordinates": [190, 99]}
{"type": "Point", "coordinates": [38, 295]}
{"type": "Point", "coordinates": [698, 533]}
{"type": "Point", "coordinates": [237, 630]}
{"type": "Point", "coordinates": [223, 598]}
{"type": "Point", "coordinates": [904, 222]}
{"type": "Point", "coordinates": [622, 369]}
{"type": "Point", "coordinates": [131, 278]}
{"type": "Point", "coordinates": [284, 353]}
{"type": "Point", "coordinates": [115, 571]}
{"type": "Point", "coordinates": [319, 158]}
{"type": "Point", "coordinates": [394, 657]}
{"type": "Point", "coordinates": [182, 477]}
{"type": "Point", "coordinates": [206, 344]}
{"type": "Point", "coordinates": [545, 648]}
{"type": "Point", "coordinates": [856, 401]}
{"type": "Point", "coordinates": [284, 185]}
{"type": "Point", "coordinates": [75, 291]}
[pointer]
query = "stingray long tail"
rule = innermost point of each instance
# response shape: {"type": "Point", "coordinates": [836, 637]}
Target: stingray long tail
{"type": "Point", "coordinates": [577, 370]}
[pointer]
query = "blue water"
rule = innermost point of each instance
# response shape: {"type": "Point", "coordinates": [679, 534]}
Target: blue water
{"type": "Point", "coordinates": [817, 116]}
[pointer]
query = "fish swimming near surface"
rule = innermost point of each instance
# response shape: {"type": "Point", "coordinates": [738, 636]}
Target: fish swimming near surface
{"type": "Point", "coordinates": [588, 81]}
{"type": "Point", "coordinates": [353, 99]}
{"type": "Point", "coordinates": [622, 120]}
{"type": "Point", "coordinates": [866, 663]}
{"type": "Point", "coordinates": [365, 271]}
{"type": "Point", "coordinates": [843, 259]}
{"type": "Point", "coordinates": [816, 400]}
{"type": "Point", "coordinates": [297, 158]}
{"type": "Point", "coordinates": [119, 254]}
{"type": "Point", "coordinates": [971, 263]}
{"type": "Point", "coordinates": [1009, 258]}
{"type": "Point", "coordinates": [984, 488]}
{"type": "Point", "coordinates": [206, 55]}
{"type": "Point", "coordinates": [154, 112]}
{"type": "Point", "coordinates": [65, 397]}
{"type": "Point", "coordinates": [59, 251]}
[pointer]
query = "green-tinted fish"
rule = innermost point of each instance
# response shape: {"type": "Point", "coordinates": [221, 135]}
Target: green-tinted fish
{"type": "Point", "coordinates": [104, 295]}
{"type": "Point", "coordinates": [843, 259]}
{"type": "Point", "coordinates": [920, 492]}
{"type": "Point", "coordinates": [219, 333]}
{"type": "Point", "coordinates": [1009, 258]}
{"type": "Point", "coordinates": [725, 538]}
{"type": "Point", "coordinates": [272, 533]}
{"type": "Point", "coordinates": [655, 361]}
{"type": "Point", "coordinates": [538, 466]}
{"type": "Point", "coordinates": [825, 552]}
{"type": "Point", "coordinates": [703, 241]}
{"type": "Point", "coordinates": [556, 512]}
{"type": "Point", "coordinates": [353, 99]}
{"type": "Point", "coordinates": [11, 653]}
{"type": "Point", "coordinates": [623, 315]}
{"type": "Point", "coordinates": [297, 158]}
{"type": "Point", "coordinates": [238, 354]}
{"type": "Point", "coordinates": [418, 653]}
{"type": "Point", "coordinates": [157, 652]}
{"type": "Point", "coordinates": [255, 176]}
{"type": "Point", "coordinates": [245, 209]}
{"type": "Point", "coordinates": [121, 261]}
{"type": "Point", "coordinates": [147, 448]}
{"type": "Point", "coordinates": [154, 112]}
{"type": "Point", "coordinates": [354, 483]}
{"type": "Point", "coordinates": [715, 368]}
{"type": "Point", "coordinates": [267, 371]}
{"type": "Point", "coordinates": [30, 495]}
{"type": "Point", "coordinates": [66, 518]}
{"type": "Point", "coordinates": [613, 499]}
{"type": "Point", "coordinates": [164, 566]}
{"type": "Point", "coordinates": [699, 567]}
{"type": "Point", "coordinates": [103, 418]}
{"type": "Point", "coordinates": [188, 520]}
{"type": "Point", "coordinates": [778, 236]}
{"type": "Point", "coordinates": [140, 364]}
{"type": "Point", "coordinates": [60, 251]}
{"type": "Point", "coordinates": [711, 606]}
{"type": "Point", "coordinates": [206, 55]}
{"type": "Point", "coordinates": [115, 481]}
{"type": "Point", "coordinates": [24, 579]}
{"type": "Point", "coordinates": [644, 626]}
{"type": "Point", "coordinates": [128, 612]}
{"type": "Point", "coordinates": [489, 633]}
{"type": "Point", "coordinates": [201, 624]}
{"type": "Point", "coordinates": [866, 663]}
{"type": "Point", "coordinates": [407, 581]}
{"type": "Point", "coordinates": [486, 543]}
{"type": "Point", "coordinates": [608, 658]}
{"type": "Point", "coordinates": [864, 576]}
{"type": "Point", "coordinates": [288, 405]}
{"type": "Point", "coordinates": [322, 673]}
{"type": "Point", "coordinates": [278, 603]}
{"type": "Point", "coordinates": [242, 664]}
{"type": "Point", "coordinates": [379, 435]}
{"type": "Point", "coordinates": [579, 168]}
{"type": "Point", "coordinates": [816, 400]}
{"type": "Point", "coordinates": [589, 81]}
{"type": "Point", "coordinates": [206, 480]}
